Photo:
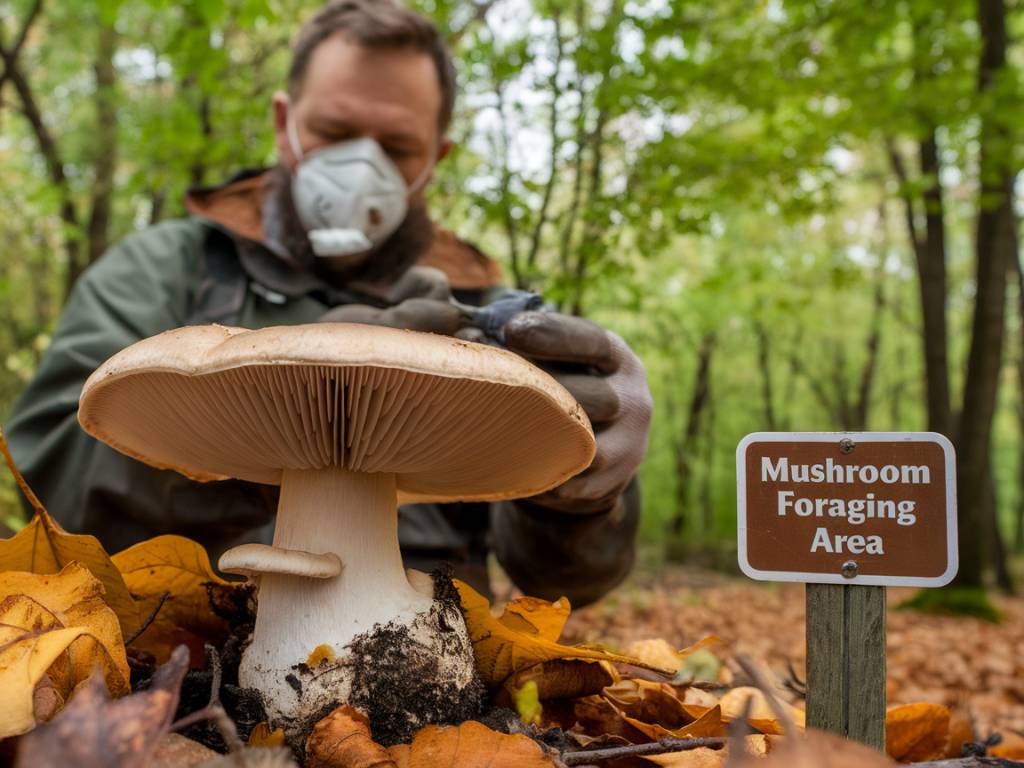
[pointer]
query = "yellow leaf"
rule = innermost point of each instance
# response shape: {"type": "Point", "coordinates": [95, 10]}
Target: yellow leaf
{"type": "Point", "coordinates": [180, 568]}
{"type": "Point", "coordinates": [916, 732]}
{"type": "Point", "coordinates": [528, 704]}
{"type": "Point", "coordinates": [761, 716]}
{"type": "Point", "coordinates": [44, 547]}
{"type": "Point", "coordinates": [537, 617]}
{"type": "Point", "coordinates": [501, 651]}
{"type": "Point", "coordinates": [658, 651]}
{"type": "Point", "coordinates": [319, 655]}
{"type": "Point", "coordinates": [23, 663]}
{"type": "Point", "coordinates": [71, 598]}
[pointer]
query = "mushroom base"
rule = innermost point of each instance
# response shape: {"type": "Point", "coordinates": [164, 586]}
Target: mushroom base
{"type": "Point", "coordinates": [404, 676]}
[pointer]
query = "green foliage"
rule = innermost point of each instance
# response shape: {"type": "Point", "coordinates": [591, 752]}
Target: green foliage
{"type": "Point", "coordinates": [954, 601]}
{"type": "Point", "coordinates": [707, 179]}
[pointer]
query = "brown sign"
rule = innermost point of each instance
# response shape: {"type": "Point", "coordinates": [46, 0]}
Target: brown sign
{"type": "Point", "coordinates": [847, 508]}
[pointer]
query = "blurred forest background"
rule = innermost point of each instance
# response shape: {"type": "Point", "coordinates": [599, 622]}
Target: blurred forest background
{"type": "Point", "coordinates": [801, 213]}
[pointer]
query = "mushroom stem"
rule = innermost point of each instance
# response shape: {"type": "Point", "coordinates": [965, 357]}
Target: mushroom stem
{"type": "Point", "coordinates": [354, 516]}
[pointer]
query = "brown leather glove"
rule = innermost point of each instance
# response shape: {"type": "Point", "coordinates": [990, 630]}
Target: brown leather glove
{"type": "Point", "coordinates": [609, 381]}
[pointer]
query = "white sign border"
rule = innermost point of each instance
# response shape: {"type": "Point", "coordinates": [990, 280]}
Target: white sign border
{"type": "Point", "coordinates": [952, 553]}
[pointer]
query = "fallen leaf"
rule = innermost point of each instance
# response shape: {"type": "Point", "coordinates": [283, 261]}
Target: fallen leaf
{"type": "Point", "coordinates": [44, 547]}
{"type": "Point", "coordinates": [707, 725]}
{"type": "Point", "coordinates": [469, 745]}
{"type": "Point", "coordinates": [23, 663]}
{"type": "Point", "coordinates": [702, 757]}
{"type": "Point", "coordinates": [558, 679]}
{"type": "Point", "coordinates": [537, 617]}
{"type": "Point", "coordinates": [760, 716]}
{"type": "Point", "coordinates": [1011, 747]}
{"type": "Point", "coordinates": [94, 731]}
{"type": "Point", "coordinates": [342, 740]}
{"type": "Point", "coordinates": [71, 598]}
{"type": "Point", "coordinates": [180, 568]}
{"type": "Point", "coordinates": [262, 736]}
{"type": "Point", "coordinates": [649, 702]}
{"type": "Point", "coordinates": [501, 651]}
{"type": "Point", "coordinates": [916, 732]}
{"type": "Point", "coordinates": [961, 731]}
{"type": "Point", "coordinates": [527, 703]}
{"type": "Point", "coordinates": [659, 652]}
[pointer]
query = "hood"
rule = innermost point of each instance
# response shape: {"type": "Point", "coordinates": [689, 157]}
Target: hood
{"type": "Point", "coordinates": [238, 207]}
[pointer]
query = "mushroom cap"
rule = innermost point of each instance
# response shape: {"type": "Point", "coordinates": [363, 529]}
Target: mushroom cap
{"type": "Point", "coordinates": [453, 420]}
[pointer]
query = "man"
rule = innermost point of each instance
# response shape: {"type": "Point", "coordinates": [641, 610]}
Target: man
{"type": "Point", "coordinates": [332, 234]}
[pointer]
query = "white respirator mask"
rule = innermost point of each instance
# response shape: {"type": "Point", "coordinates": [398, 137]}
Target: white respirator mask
{"type": "Point", "coordinates": [350, 196]}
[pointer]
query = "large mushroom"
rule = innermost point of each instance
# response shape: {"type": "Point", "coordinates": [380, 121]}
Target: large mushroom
{"type": "Point", "coordinates": [349, 420]}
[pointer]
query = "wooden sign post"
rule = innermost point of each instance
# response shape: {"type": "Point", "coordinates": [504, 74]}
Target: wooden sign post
{"type": "Point", "coordinates": [848, 514]}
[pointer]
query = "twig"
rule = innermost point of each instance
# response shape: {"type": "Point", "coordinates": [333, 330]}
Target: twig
{"type": "Point", "coordinates": [785, 718]}
{"type": "Point", "coordinates": [214, 711]}
{"type": "Point", "coordinates": [969, 762]}
{"type": "Point", "coordinates": [585, 757]}
{"type": "Point", "coordinates": [152, 616]}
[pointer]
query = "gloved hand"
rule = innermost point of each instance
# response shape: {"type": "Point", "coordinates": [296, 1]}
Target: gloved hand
{"type": "Point", "coordinates": [419, 301]}
{"type": "Point", "coordinates": [609, 381]}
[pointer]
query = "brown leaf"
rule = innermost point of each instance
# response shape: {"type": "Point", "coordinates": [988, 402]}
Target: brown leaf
{"type": "Point", "coordinates": [709, 724]}
{"type": "Point", "coordinates": [558, 679]}
{"type": "Point", "coordinates": [44, 547]}
{"type": "Point", "coordinates": [649, 702]}
{"type": "Point", "coordinates": [501, 651]}
{"type": "Point", "coordinates": [179, 567]}
{"type": "Point", "coordinates": [94, 731]}
{"type": "Point", "coordinates": [469, 745]}
{"type": "Point", "coordinates": [262, 736]}
{"type": "Point", "coordinates": [916, 732]}
{"type": "Point", "coordinates": [342, 740]}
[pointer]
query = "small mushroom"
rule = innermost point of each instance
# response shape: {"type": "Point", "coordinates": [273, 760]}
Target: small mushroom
{"type": "Point", "coordinates": [349, 420]}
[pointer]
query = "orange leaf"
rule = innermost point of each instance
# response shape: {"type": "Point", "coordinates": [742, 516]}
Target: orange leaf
{"type": "Point", "coordinates": [1011, 747]}
{"type": "Point", "coordinates": [916, 732]}
{"type": "Point", "coordinates": [342, 740]}
{"type": "Point", "coordinates": [469, 745]}
{"type": "Point", "coordinates": [501, 651]}
{"type": "Point", "coordinates": [657, 651]}
{"type": "Point", "coordinates": [262, 736]}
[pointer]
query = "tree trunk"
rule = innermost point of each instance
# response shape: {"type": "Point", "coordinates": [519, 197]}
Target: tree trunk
{"type": "Point", "coordinates": [106, 143]}
{"type": "Point", "coordinates": [995, 245]}
{"type": "Point", "coordinates": [686, 446]}
{"type": "Point", "coordinates": [764, 359]}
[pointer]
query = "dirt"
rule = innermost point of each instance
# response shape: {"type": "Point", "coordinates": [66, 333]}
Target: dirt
{"type": "Point", "coordinates": [397, 685]}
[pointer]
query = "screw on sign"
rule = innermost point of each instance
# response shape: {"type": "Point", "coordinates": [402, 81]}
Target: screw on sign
{"type": "Point", "coordinates": [848, 514]}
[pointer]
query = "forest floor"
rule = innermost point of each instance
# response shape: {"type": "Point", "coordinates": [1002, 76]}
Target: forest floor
{"type": "Point", "coordinates": [970, 665]}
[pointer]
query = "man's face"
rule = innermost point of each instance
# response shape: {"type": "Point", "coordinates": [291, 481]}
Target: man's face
{"type": "Point", "coordinates": [350, 92]}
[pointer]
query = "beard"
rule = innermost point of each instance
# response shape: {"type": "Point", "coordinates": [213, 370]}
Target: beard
{"type": "Point", "coordinates": [382, 263]}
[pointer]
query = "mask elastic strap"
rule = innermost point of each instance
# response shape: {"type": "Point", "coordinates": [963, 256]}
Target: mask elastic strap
{"type": "Point", "coordinates": [420, 180]}
{"type": "Point", "coordinates": [293, 136]}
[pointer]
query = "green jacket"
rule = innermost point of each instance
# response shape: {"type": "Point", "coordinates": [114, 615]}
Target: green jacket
{"type": "Point", "coordinates": [193, 271]}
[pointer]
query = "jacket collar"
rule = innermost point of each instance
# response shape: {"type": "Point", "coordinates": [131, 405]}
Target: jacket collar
{"type": "Point", "coordinates": [244, 209]}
